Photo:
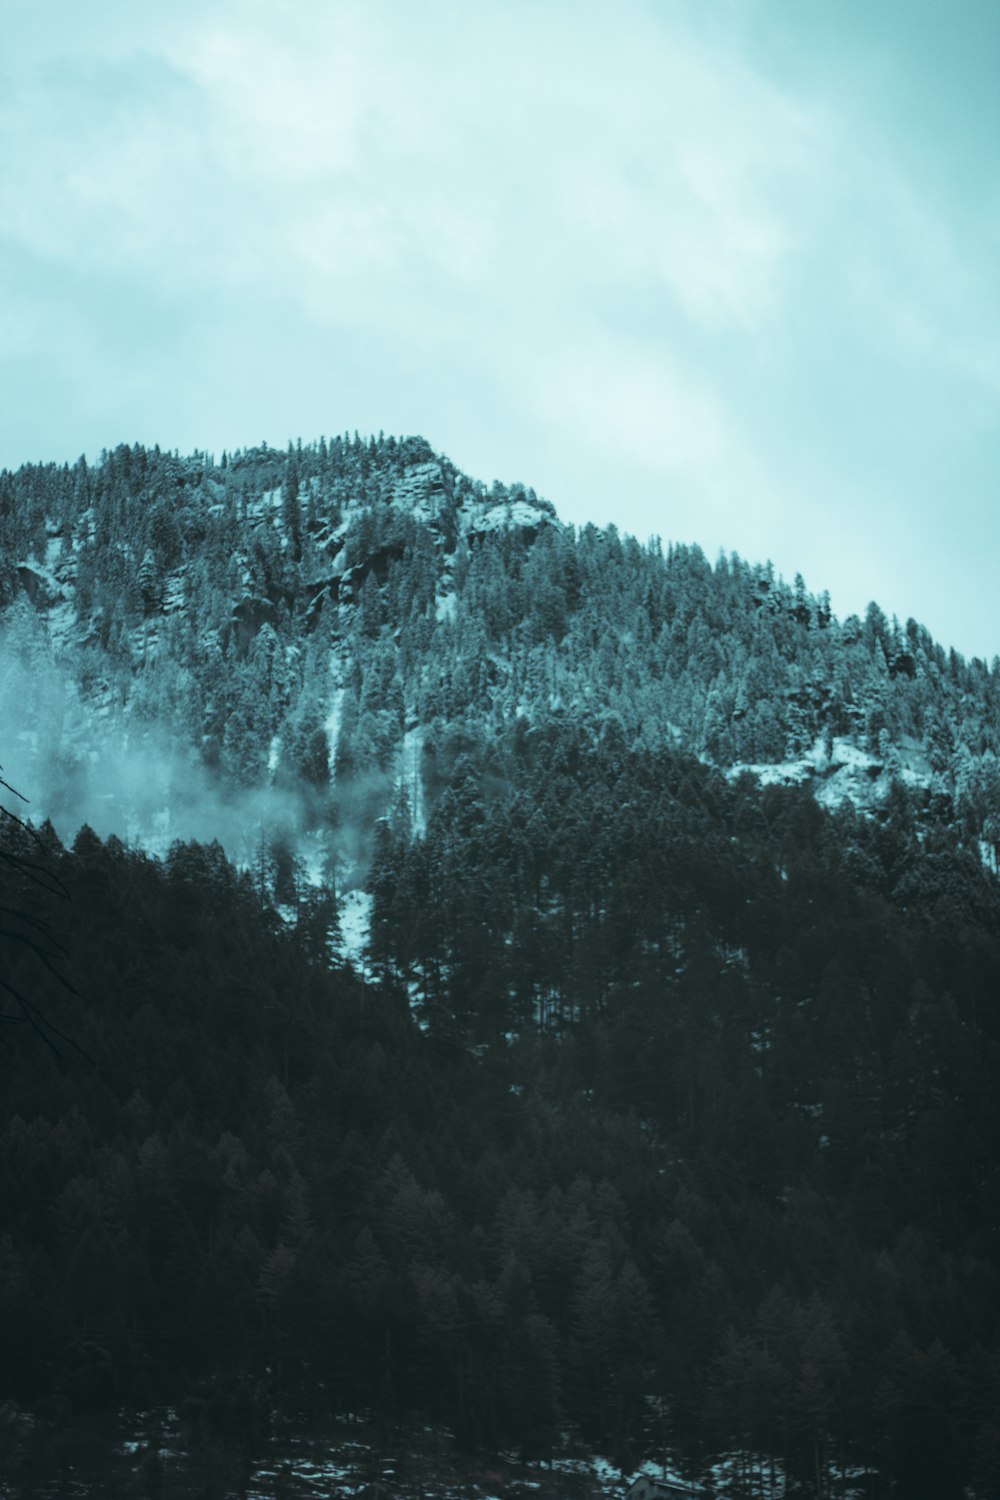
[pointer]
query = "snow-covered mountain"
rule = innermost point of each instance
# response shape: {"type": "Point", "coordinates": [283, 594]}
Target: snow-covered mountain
{"type": "Point", "coordinates": [283, 643]}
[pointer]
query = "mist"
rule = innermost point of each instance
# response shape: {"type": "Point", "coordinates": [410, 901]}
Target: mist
{"type": "Point", "coordinates": [81, 761]}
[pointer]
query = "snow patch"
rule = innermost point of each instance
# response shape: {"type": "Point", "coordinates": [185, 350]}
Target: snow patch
{"type": "Point", "coordinates": [506, 513]}
{"type": "Point", "coordinates": [173, 592]}
{"type": "Point", "coordinates": [411, 779]}
{"type": "Point", "coordinates": [62, 623]}
{"type": "Point", "coordinates": [844, 772]}
{"type": "Point", "coordinates": [269, 501]}
{"type": "Point", "coordinates": [332, 727]}
{"type": "Point", "coordinates": [775, 773]}
{"type": "Point", "coordinates": [418, 1004]}
{"type": "Point", "coordinates": [313, 849]}
{"type": "Point", "coordinates": [355, 925]}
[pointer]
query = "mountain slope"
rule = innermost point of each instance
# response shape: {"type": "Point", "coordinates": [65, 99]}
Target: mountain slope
{"type": "Point", "coordinates": [691, 888]}
{"type": "Point", "coordinates": [308, 623]}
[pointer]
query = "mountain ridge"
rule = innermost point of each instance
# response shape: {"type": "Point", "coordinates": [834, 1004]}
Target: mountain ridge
{"type": "Point", "coordinates": [728, 662]}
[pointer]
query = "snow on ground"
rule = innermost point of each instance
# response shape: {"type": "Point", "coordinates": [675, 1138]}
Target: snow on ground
{"type": "Point", "coordinates": [654, 1468]}
{"type": "Point", "coordinates": [269, 501]}
{"type": "Point", "coordinates": [174, 591]}
{"type": "Point", "coordinates": [444, 607]}
{"type": "Point", "coordinates": [507, 513]}
{"type": "Point", "coordinates": [332, 725]}
{"type": "Point", "coordinates": [851, 774]}
{"type": "Point", "coordinates": [62, 623]}
{"type": "Point", "coordinates": [815, 762]}
{"type": "Point", "coordinates": [847, 773]}
{"type": "Point", "coordinates": [411, 778]}
{"type": "Point", "coordinates": [418, 1007]}
{"type": "Point", "coordinates": [313, 1467]}
{"type": "Point", "coordinates": [355, 925]}
{"type": "Point", "coordinates": [753, 1476]}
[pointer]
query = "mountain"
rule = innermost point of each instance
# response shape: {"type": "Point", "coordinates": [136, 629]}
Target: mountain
{"type": "Point", "coordinates": [659, 1098]}
{"type": "Point", "coordinates": [313, 625]}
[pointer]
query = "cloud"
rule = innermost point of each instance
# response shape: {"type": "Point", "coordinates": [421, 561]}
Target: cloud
{"type": "Point", "coordinates": [623, 224]}
{"type": "Point", "coordinates": [370, 148]}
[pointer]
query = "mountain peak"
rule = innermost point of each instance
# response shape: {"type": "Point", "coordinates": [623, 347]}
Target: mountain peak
{"type": "Point", "coordinates": [218, 608]}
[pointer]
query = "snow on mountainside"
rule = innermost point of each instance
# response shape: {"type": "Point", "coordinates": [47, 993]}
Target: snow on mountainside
{"type": "Point", "coordinates": [841, 771]}
{"type": "Point", "coordinates": [665, 1063]}
{"type": "Point", "coordinates": [292, 644]}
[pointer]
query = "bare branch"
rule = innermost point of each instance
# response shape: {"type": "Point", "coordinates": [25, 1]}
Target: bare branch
{"type": "Point", "coordinates": [41, 1024]}
{"type": "Point", "coordinates": [40, 954]}
{"type": "Point", "coordinates": [12, 789]}
{"type": "Point", "coordinates": [23, 916]}
{"type": "Point", "coordinates": [44, 951]}
{"type": "Point", "coordinates": [36, 872]}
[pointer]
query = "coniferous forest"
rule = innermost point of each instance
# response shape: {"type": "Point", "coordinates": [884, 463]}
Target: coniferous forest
{"type": "Point", "coordinates": [658, 1101]}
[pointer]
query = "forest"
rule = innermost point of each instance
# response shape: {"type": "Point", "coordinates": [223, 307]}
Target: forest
{"type": "Point", "coordinates": [660, 1106]}
{"type": "Point", "coordinates": [290, 618]}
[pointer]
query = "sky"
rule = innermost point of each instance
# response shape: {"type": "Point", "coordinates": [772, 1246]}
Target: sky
{"type": "Point", "coordinates": [723, 271]}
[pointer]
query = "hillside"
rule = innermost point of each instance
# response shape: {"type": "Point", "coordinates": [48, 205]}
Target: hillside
{"type": "Point", "coordinates": [314, 624]}
{"type": "Point", "coordinates": [658, 1103]}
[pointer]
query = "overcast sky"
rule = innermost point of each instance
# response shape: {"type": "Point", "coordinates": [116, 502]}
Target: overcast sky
{"type": "Point", "coordinates": [724, 271]}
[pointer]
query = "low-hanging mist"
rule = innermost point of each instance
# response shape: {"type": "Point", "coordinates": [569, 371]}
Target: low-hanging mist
{"type": "Point", "coordinates": [80, 762]}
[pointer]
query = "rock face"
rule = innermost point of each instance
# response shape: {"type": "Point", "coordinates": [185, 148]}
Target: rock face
{"type": "Point", "coordinates": [248, 617]}
{"type": "Point", "coordinates": [524, 516]}
{"type": "Point", "coordinates": [150, 583]}
{"type": "Point", "coordinates": [375, 564]}
{"type": "Point", "coordinates": [41, 587]}
{"type": "Point", "coordinates": [421, 490]}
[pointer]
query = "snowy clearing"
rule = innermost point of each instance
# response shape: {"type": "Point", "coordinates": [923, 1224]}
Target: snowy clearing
{"type": "Point", "coordinates": [355, 925]}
